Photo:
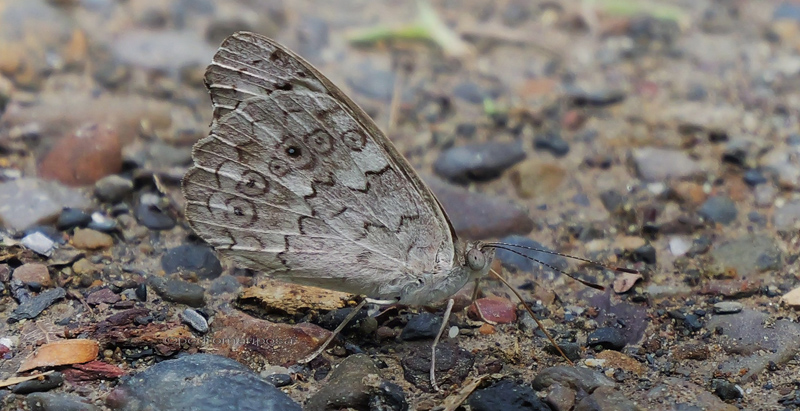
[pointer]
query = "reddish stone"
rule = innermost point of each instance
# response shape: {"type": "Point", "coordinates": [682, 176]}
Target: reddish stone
{"type": "Point", "coordinates": [82, 158]}
{"type": "Point", "coordinates": [92, 370]}
{"type": "Point", "coordinates": [493, 310]}
{"type": "Point", "coordinates": [33, 273]}
{"type": "Point", "coordinates": [101, 296]}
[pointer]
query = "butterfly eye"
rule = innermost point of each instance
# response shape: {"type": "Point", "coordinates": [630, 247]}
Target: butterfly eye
{"type": "Point", "coordinates": [293, 151]}
{"type": "Point", "coordinates": [476, 260]}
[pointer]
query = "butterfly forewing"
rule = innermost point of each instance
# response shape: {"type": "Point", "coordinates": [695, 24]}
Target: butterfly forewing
{"type": "Point", "coordinates": [296, 181]}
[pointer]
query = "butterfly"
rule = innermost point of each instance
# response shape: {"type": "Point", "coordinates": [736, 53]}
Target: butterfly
{"type": "Point", "coordinates": [296, 181]}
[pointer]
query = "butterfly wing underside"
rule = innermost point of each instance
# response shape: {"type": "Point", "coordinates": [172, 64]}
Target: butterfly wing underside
{"type": "Point", "coordinates": [296, 181]}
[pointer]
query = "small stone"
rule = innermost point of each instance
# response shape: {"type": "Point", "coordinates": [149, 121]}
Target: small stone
{"type": "Point", "coordinates": [102, 223]}
{"type": "Point", "coordinates": [113, 188]}
{"type": "Point", "coordinates": [478, 162]}
{"type": "Point", "coordinates": [35, 305]}
{"type": "Point", "coordinates": [552, 143]}
{"type": "Point", "coordinates": [528, 247]}
{"type": "Point", "coordinates": [49, 401]}
{"type": "Point", "coordinates": [279, 380]}
{"type": "Point", "coordinates": [103, 296]}
{"type": "Point", "coordinates": [506, 395]}
{"type": "Point", "coordinates": [425, 325]}
{"type": "Point", "coordinates": [679, 246]}
{"type": "Point", "coordinates": [493, 310]}
{"type": "Point", "coordinates": [792, 298]}
{"type": "Point", "coordinates": [787, 218]}
{"type": "Point", "coordinates": [719, 209]}
{"type": "Point", "coordinates": [728, 307]}
{"type": "Point", "coordinates": [645, 253]}
{"type": "Point", "coordinates": [178, 291]}
{"type": "Point", "coordinates": [193, 258]}
{"type": "Point", "coordinates": [150, 214]}
{"type": "Point", "coordinates": [351, 385]}
{"type": "Point", "coordinates": [607, 337]}
{"type": "Point", "coordinates": [537, 179]}
{"type": "Point", "coordinates": [199, 381]}
{"type": "Point", "coordinates": [71, 218]}
{"type": "Point", "coordinates": [88, 239]}
{"type": "Point", "coordinates": [726, 390]}
{"type": "Point", "coordinates": [82, 158]}
{"type": "Point", "coordinates": [33, 273]}
{"type": "Point", "coordinates": [659, 164]}
{"type": "Point", "coordinates": [453, 364]}
{"type": "Point", "coordinates": [28, 201]}
{"type": "Point", "coordinates": [754, 178]}
{"type": "Point", "coordinates": [583, 379]}
{"type": "Point", "coordinates": [195, 320]}
{"type": "Point", "coordinates": [46, 383]}
{"type": "Point", "coordinates": [476, 215]}
{"type": "Point", "coordinates": [39, 243]}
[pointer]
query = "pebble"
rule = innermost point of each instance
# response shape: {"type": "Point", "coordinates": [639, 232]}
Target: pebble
{"type": "Point", "coordinates": [659, 164]}
{"type": "Point", "coordinates": [39, 243]}
{"type": "Point", "coordinates": [754, 341]}
{"type": "Point", "coordinates": [516, 262]}
{"type": "Point", "coordinates": [679, 246]}
{"type": "Point", "coordinates": [195, 320]}
{"type": "Point", "coordinates": [726, 390]}
{"type": "Point", "coordinates": [46, 383]}
{"type": "Point", "coordinates": [480, 216]}
{"type": "Point", "coordinates": [33, 273]}
{"type": "Point", "coordinates": [787, 218]}
{"type": "Point", "coordinates": [608, 338]}
{"type": "Point", "coordinates": [470, 92]}
{"type": "Point", "coordinates": [150, 214]}
{"type": "Point", "coordinates": [536, 179]}
{"type": "Point", "coordinates": [506, 395]}
{"type": "Point", "coordinates": [102, 223]}
{"type": "Point", "coordinates": [606, 399]}
{"type": "Point", "coordinates": [71, 218]}
{"type": "Point", "coordinates": [113, 188]}
{"type": "Point", "coordinates": [719, 209]}
{"type": "Point", "coordinates": [197, 259]}
{"type": "Point", "coordinates": [422, 326]}
{"type": "Point", "coordinates": [583, 379]}
{"type": "Point", "coordinates": [178, 291]}
{"type": "Point", "coordinates": [551, 143]}
{"type": "Point", "coordinates": [748, 255]}
{"type": "Point", "coordinates": [595, 98]}
{"type": "Point", "coordinates": [477, 162]}
{"type": "Point", "coordinates": [199, 381]}
{"type": "Point", "coordinates": [645, 253]}
{"type": "Point", "coordinates": [34, 306]}
{"type": "Point", "coordinates": [29, 201]}
{"type": "Point", "coordinates": [279, 380]}
{"type": "Point", "coordinates": [453, 364]}
{"type": "Point", "coordinates": [754, 178]}
{"type": "Point", "coordinates": [82, 158]}
{"type": "Point", "coordinates": [353, 384]}
{"type": "Point", "coordinates": [728, 307]}
{"type": "Point", "coordinates": [103, 296]}
{"type": "Point", "coordinates": [88, 239]}
{"type": "Point", "coordinates": [495, 310]}
{"type": "Point", "coordinates": [47, 401]}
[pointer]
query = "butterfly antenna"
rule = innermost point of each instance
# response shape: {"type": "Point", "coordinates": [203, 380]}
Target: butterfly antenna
{"type": "Point", "coordinates": [530, 311]}
{"type": "Point", "coordinates": [502, 246]}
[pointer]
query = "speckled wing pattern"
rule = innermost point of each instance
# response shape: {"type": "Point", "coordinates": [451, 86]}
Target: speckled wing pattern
{"type": "Point", "coordinates": [296, 181]}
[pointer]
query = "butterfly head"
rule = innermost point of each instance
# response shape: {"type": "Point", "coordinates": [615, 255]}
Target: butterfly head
{"type": "Point", "coordinates": [478, 259]}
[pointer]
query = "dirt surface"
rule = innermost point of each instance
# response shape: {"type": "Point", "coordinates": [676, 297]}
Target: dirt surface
{"type": "Point", "coordinates": [658, 136]}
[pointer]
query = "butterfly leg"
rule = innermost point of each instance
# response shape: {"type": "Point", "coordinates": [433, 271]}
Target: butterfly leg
{"type": "Point", "coordinates": [476, 290]}
{"type": "Point", "coordinates": [445, 320]}
{"type": "Point", "coordinates": [335, 332]}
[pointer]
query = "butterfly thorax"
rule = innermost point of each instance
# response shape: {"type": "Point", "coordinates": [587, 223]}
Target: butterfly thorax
{"type": "Point", "coordinates": [471, 263]}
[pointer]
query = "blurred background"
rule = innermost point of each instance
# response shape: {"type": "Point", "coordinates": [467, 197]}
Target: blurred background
{"type": "Point", "coordinates": [658, 134]}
